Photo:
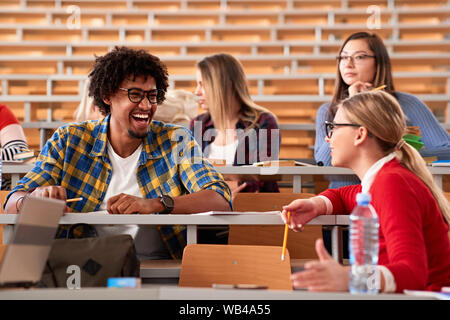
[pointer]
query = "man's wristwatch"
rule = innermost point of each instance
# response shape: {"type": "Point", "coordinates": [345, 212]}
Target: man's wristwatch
{"type": "Point", "coordinates": [167, 202]}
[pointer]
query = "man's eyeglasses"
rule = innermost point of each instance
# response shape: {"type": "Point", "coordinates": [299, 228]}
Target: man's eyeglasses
{"type": "Point", "coordinates": [355, 59]}
{"type": "Point", "coordinates": [329, 126]}
{"type": "Point", "coordinates": [136, 95]}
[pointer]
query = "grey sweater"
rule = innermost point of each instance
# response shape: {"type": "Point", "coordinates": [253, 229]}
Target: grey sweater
{"type": "Point", "coordinates": [435, 138]}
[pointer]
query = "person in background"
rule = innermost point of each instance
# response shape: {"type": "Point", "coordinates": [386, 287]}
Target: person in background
{"type": "Point", "coordinates": [87, 110]}
{"type": "Point", "coordinates": [234, 129]}
{"type": "Point", "coordinates": [363, 64]}
{"type": "Point", "coordinates": [12, 140]}
{"type": "Point", "coordinates": [414, 215]}
{"type": "Point", "coordinates": [126, 163]}
{"type": "Point", "coordinates": [179, 107]}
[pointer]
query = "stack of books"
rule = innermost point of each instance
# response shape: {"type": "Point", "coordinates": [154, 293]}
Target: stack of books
{"type": "Point", "coordinates": [429, 160]}
{"type": "Point", "coordinates": [26, 156]}
{"type": "Point", "coordinates": [441, 163]}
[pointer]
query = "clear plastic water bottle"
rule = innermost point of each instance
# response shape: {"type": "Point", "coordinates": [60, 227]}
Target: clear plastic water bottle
{"type": "Point", "coordinates": [363, 247]}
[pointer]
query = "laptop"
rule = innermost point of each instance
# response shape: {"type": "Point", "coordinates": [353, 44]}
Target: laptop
{"type": "Point", "coordinates": [23, 260]}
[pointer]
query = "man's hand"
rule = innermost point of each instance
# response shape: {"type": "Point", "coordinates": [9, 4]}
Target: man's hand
{"type": "Point", "coordinates": [54, 192]}
{"type": "Point", "coordinates": [128, 204]}
{"type": "Point", "coordinates": [325, 274]}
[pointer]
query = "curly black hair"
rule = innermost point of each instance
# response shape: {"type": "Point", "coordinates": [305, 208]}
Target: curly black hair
{"type": "Point", "coordinates": [114, 67]}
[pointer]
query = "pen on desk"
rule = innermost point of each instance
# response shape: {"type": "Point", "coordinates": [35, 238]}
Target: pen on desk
{"type": "Point", "coordinates": [74, 199]}
{"type": "Point", "coordinates": [286, 229]}
{"type": "Point", "coordinates": [378, 88]}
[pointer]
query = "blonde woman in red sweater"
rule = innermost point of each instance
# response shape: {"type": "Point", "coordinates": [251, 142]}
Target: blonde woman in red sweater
{"type": "Point", "coordinates": [414, 247]}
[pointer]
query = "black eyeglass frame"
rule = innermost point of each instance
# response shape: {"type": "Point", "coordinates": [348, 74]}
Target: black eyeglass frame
{"type": "Point", "coordinates": [351, 58]}
{"type": "Point", "coordinates": [329, 126]}
{"type": "Point", "coordinates": [144, 94]}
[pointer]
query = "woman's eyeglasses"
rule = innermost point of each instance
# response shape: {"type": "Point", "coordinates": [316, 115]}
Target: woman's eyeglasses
{"type": "Point", "coordinates": [329, 126]}
{"type": "Point", "coordinates": [355, 59]}
{"type": "Point", "coordinates": [136, 95]}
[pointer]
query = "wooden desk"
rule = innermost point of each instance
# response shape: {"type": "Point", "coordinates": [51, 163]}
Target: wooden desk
{"type": "Point", "coordinates": [190, 220]}
{"type": "Point", "coordinates": [296, 173]}
{"type": "Point", "coordinates": [16, 171]}
{"type": "Point", "coordinates": [173, 292]}
{"type": "Point", "coordinates": [253, 173]}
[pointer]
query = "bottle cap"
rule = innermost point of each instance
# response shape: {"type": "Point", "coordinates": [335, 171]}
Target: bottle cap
{"type": "Point", "coordinates": [363, 198]}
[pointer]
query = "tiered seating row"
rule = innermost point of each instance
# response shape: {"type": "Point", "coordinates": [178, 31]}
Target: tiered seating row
{"type": "Point", "coordinates": [321, 84]}
{"type": "Point", "coordinates": [220, 4]}
{"type": "Point", "coordinates": [253, 64]}
{"type": "Point", "coordinates": [129, 17]}
{"type": "Point", "coordinates": [295, 47]}
{"type": "Point", "coordinates": [244, 33]}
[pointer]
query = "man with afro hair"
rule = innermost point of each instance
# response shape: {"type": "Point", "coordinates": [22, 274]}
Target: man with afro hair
{"type": "Point", "coordinates": [126, 163]}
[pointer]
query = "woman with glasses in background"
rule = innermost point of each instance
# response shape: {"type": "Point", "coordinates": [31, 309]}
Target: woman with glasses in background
{"type": "Point", "coordinates": [414, 215]}
{"type": "Point", "coordinates": [363, 64]}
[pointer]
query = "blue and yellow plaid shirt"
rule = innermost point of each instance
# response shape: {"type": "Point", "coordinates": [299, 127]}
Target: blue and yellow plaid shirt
{"type": "Point", "coordinates": [171, 163]}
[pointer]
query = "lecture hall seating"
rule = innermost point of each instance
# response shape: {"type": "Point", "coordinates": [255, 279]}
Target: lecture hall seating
{"type": "Point", "coordinates": [287, 47]}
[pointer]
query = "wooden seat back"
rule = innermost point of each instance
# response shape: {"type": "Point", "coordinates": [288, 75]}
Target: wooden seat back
{"type": "Point", "coordinates": [301, 245]}
{"type": "Point", "coordinates": [204, 265]}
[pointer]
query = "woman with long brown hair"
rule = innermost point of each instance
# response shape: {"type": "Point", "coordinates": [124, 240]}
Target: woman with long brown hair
{"type": "Point", "coordinates": [414, 247]}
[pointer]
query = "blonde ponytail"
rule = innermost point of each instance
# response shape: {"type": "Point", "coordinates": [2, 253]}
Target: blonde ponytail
{"type": "Point", "coordinates": [413, 161]}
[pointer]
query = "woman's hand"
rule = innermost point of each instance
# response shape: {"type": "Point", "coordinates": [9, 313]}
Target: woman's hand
{"type": "Point", "coordinates": [325, 274]}
{"type": "Point", "coordinates": [358, 87]}
{"type": "Point", "coordinates": [301, 211]}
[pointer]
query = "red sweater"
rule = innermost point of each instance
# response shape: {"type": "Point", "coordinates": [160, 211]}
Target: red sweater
{"type": "Point", "coordinates": [6, 117]}
{"type": "Point", "coordinates": [413, 238]}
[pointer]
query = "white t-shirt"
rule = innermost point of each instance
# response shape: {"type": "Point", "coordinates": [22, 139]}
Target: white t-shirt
{"type": "Point", "coordinates": [226, 152]}
{"type": "Point", "coordinates": [147, 239]}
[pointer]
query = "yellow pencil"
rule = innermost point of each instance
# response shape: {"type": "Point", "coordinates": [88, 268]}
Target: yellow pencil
{"type": "Point", "coordinates": [379, 88]}
{"type": "Point", "coordinates": [286, 229]}
{"type": "Point", "coordinates": [74, 199]}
